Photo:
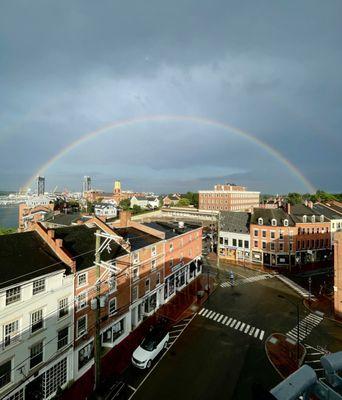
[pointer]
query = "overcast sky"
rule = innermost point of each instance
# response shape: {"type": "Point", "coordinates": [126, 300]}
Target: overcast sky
{"type": "Point", "coordinates": [270, 68]}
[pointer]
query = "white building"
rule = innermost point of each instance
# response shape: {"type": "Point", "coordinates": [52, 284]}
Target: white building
{"type": "Point", "coordinates": [145, 202]}
{"type": "Point", "coordinates": [332, 213]}
{"type": "Point", "coordinates": [36, 333]}
{"type": "Point", "coordinates": [234, 236]}
{"type": "Point", "coordinates": [108, 210]}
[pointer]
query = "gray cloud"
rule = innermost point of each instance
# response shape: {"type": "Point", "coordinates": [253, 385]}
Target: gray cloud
{"type": "Point", "coordinates": [270, 68]}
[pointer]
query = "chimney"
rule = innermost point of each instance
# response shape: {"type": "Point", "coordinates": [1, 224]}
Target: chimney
{"type": "Point", "coordinates": [125, 217]}
{"type": "Point", "coordinates": [51, 233]}
{"type": "Point", "coordinates": [59, 242]}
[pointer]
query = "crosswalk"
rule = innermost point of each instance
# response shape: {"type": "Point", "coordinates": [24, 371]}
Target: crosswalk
{"type": "Point", "coordinates": [177, 329]}
{"type": "Point", "coordinates": [306, 325]}
{"type": "Point", "coordinates": [233, 323]}
{"type": "Point", "coordinates": [250, 279]}
{"type": "Point", "coordinates": [297, 288]}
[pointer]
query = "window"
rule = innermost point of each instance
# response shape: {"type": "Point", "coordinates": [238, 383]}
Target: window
{"type": "Point", "coordinates": [256, 243]}
{"type": "Point", "coordinates": [264, 245]}
{"type": "Point", "coordinates": [313, 218]}
{"type": "Point", "coordinates": [171, 263]}
{"type": "Point", "coordinates": [158, 279]}
{"type": "Point", "coordinates": [263, 234]}
{"type": "Point", "coordinates": [274, 222]}
{"type": "Point", "coordinates": [11, 333]}
{"type": "Point", "coordinates": [281, 246]}
{"type": "Point", "coordinates": [246, 244]}
{"type": "Point", "coordinates": [82, 326]}
{"type": "Point", "coordinates": [260, 221]}
{"type": "Point", "coordinates": [286, 222]}
{"type": "Point", "coordinates": [234, 242]}
{"type": "Point", "coordinates": [321, 218]}
{"type": "Point", "coordinates": [240, 243]}
{"type": "Point", "coordinates": [135, 293]}
{"type": "Point", "coordinates": [135, 273]}
{"type": "Point", "coordinates": [112, 283]}
{"type": "Point", "coordinates": [135, 258]}
{"type": "Point", "coordinates": [38, 286]}
{"type": "Point", "coordinates": [36, 354]}
{"type": "Point", "coordinates": [272, 234]}
{"type": "Point", "coordinates": [272, 246]}
{"type": "Point", "coordinates": [154, 251]}
{"type": "Point", "coordinates": [13, 295]}
{"type": "Point", "coordinates": [63, 308]}
{"type": "Point", "coordinates": [82, 279]}
{"type": "Point", "coordinates": [171, 247]}
{"type": "Point", "coordinates": [63, 338]}
{"type": "Point", "coordinates": [290, 247]}
{"type": "Point", "coordinates": [55, 377]}
{"type": "Point", "coordinates": [82, 301]}
{"type": "Point", "coordinates": [147, 285]}
{"type": "Point", "coordinates": [298, 244]}
{"type": "Point", "coordinates": [305, 218]}
{"type": "Point", "coordinates": [256, 232]}
{"type": "Point", "coordinates": [36, 321]}
{"type": "Point", "coordinates": [153, 265]}
{"type": "Point", "coordinates": [112, 306]}
{"type": "Point", "coordinates": [5, 373]}
{"type": "Point", "coordinates": [221, 240]}
{"type": "Point", "coordinates": [281, 235]}
{"type": "Point", "coordinates": [85, 355]}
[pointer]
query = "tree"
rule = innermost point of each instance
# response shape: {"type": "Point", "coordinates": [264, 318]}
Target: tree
{"type": "Point", "coordinates": [137, 209]}
{"type": "Point", "coordinates": [294, 198]}
{"type": "Point", "coordinates": [192, 197]}
{"type": "Point", "coordinates": [183, 202]}
{"type": "Point", "coordinates": [7, 231]}
{"type": "Point", "coordinates": [125, 204]}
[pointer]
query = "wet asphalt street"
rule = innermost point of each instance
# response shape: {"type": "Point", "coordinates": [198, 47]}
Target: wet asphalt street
{"type": "Point", "coordinates": [220, 353]}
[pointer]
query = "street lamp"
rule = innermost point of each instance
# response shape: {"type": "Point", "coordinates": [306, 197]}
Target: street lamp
{"type": "Point", "coordinates": [297, 307]}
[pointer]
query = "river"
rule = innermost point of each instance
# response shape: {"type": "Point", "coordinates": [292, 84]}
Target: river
{"type": "Point", "coordinates": [9, 216]}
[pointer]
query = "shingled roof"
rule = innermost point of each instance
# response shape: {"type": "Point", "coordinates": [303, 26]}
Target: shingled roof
{"type": "Point", "coordinates": [25, 256]}
{"type": "Point", "coordinates": [267, 214]}
{"type": "Point", "coordinates": [231, 221]}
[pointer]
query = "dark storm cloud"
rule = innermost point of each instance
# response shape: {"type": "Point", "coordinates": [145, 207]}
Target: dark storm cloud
{"type": "Point", "coordinates": [270, 68]}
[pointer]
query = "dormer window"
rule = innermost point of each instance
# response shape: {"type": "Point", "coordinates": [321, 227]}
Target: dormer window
{"type": "Point", "coordinates": [313, 219]}
{"type": "Point", "coordinates": [274, 222]}
{"type": "Point", "coordinates": [286, 222]}
{"type": "Point", "coordinates": [321, 218]}
{"type": "Point", "coordinates": [260, 221]}
{"type": "Point", "coordinates": [305, 218]}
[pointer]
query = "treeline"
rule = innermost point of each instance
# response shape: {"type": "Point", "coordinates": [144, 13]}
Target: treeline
{"type": "Point", "coordinates": [298, 198]}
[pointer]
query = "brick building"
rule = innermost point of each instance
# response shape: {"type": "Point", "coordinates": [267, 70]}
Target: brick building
{"type": "Point", "coordinates": [338, 274]}
{"type": "Point", "coordinates": [228, 198]}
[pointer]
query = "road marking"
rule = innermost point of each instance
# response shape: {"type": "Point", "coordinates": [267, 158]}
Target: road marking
{"type": "Point", "coordinates": [132, 388]}
{"type": "Point", "coordinates": [216, 317]}
{"type": "Point", "coordinates": [233, 323]}
{"type": "Point", "coordinates": [256, 333]}
{"type": "Point", "coordinates": [212, 315]}
{"type": "Point", "coordinates": [242, 326]}
{"type": "Point", "coordinates": [251, 331]}
{"type": "Point", "coordinates": [247, 328]}
{"type": "Point", "coordinates": [224, 320]}
{"type": "Point", "coordinates": [261, 335]}
{"type": "Point", "coordinates": [237, 325]}
{"type": "Point", "coordinates": [202, 311]}
{"type": "Point", "coordinates": [163, 355]}
{"type": "Point", "coordinates": [220, 318]}
{"type": "Point", "coordinates": [228, 321]}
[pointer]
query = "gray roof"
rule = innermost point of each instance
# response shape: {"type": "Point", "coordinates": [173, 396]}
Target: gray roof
{"type": "Point", "coordinates": [231, 221]}
{"type": "Point", "coordinates": [327, 212]}
{"type": "Point", "coordinates": [299, 210]}
{"type": "Point", "coordinates": [267, 214]}
{"type": "Point", "coordinates": [171, 229]}
{"type": "Point", "coordinates": [64, 219]}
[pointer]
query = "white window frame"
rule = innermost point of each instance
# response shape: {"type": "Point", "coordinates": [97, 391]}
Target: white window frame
{"type": "Point", "coordinates": [14, 336]}
{"type": "Point", "coordinates": [65, 307]}
{"type": "Point", "coordinates": [135, 288]}
{"type": "Point", "coordinates": [81, 275]}
{"type": "Point", "coordinates": [148, 280]}
{"type": "Point", "coordinates": [58, 340]}
{"type": "Point", "coordinates": [111, 301]}
{"type": "Point", "coordinates": [135, 257]}
{"type": "Point", "coordinates": [171, 247]}
{"type": "Point", "coordinates": [41, 288]}
{"type": "Point", "coordinates": [260, 221]}
{"type": "Point", "coordinates": [154, 251]}
{"type": "Point", "coordinates": [273, 222]}
{"type": "Point", "coordinates": [135, 277]}
{"type": "Point", "coordinates": [286, 222]}
{"type": "Point", "coordinates": [80, 334]}
{"type": "Point", "coordinates": [158, 277]}
{"type": "Point", "coordinates": [112, 282]}
{"type": "Point", "coordinates": [83, 303]}
{"type": "Point", "coordinates": [32, 322]}
{"type": "Point", "coordinates": [42, 352]}
{"type": "Point", "coordinates": [10, 360]}
{"type": "Point", "coordinates": [13, 297]}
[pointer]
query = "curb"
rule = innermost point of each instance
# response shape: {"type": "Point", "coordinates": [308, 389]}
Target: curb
{"type": "Point", "coordinates": [324, 316]}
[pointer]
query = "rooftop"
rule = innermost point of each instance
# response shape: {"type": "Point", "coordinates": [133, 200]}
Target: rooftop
{"type": "Point", "coordinates": [171, 229]}
{"type": "Point", "coordinates": [137, 238]}
{"type": "Point", "coordinates": [235, 221]}
{"type": "Point", "coordinates": [267, 214]}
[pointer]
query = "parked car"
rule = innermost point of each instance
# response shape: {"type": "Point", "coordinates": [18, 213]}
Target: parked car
{"type": "Point", "coordinates": [154, 342]}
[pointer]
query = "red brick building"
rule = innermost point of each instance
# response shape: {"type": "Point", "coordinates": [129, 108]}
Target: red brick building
{"type": "Point", "coordinates": [228, 198]}
{"type": "Point", "coordinates": [338, 274]}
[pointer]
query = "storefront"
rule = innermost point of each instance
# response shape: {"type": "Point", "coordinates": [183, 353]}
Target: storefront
{"type": "Point", "coordinates": [147, 306]}
{"type": "Point", "coordinates": [115, 333]}
{"type": "Point", "coordinates": [256, 257]}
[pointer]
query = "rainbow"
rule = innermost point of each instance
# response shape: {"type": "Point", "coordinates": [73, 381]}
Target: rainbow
{"type": "Point", "coordinates": [177, 118]}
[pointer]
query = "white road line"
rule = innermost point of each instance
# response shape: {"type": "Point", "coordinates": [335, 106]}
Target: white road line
{"type": "Point", "coordinates": [261, 335]}
{"type": "Point", "coordinates": [216, 316]}
{"type": "Point", "coordinates": [314, 354]}
{"type": "Point", "coordinates": [205, 312]}
{"type": "Point", "coordinates": [313, 362]}
{"type": "Point", "coordinates": [256, 333]}
{"type": "Point", "coordinates": [175, 330]}
{"type": "Point", "coordinates": [251, 331]}
{"type": "Point", "coordinates": [247, 328]}
{"type": "Point", "coordinates": [227, 323]}
{"type": "Point", "coordinates": [224, 320]}
{"type": "Point", "coordinates": [237, 325]}
{"type": "Point", "coordinates": [212, 315]}
{"type": "Point", "coordinates": [202, 311]}
{"type": "Point", "coordinates": [220, 318]}
{"type": "Point", "coordinates": [242, 326]}
{"type": "Point", "coordinates": [132, 388]}
{"type": "Point", "coordinates": [233, 323]}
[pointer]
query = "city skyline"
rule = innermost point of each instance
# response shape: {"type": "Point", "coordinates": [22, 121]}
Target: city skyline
{"type": "Point", "coordinates": [277, 82]}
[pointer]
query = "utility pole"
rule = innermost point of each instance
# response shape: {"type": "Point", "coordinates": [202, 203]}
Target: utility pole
{"type": "Point", "coordinates": [97, 312]}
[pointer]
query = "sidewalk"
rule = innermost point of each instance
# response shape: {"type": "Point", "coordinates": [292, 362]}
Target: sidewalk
{"type": "Point", "coordinates": [324, 304]}
{"type": "Point", "coordinates": [282, 353]}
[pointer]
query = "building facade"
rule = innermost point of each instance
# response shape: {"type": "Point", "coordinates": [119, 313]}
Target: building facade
{"type": "Point", "coordinates": [228, 198]}
{"type": "Point", "coordinates": [338, 274]}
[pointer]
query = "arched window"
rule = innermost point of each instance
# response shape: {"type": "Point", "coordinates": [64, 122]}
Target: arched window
{"type": "Point", "coordinates": [313, 219]}
{"type": "Point", "coordinates": [286, 222]}
{"type": "Point", "coordinates": [274, 222]}
{"type": "Point", "coordinates": [321, 218]}
{"type": "Point", "coordinates": [305, 218]}
{"type": "Point", "coordinates": [260, 221]}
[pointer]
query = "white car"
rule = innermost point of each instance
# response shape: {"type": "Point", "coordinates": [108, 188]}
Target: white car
{"type": "Point", "coordinates": [155, 341]}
